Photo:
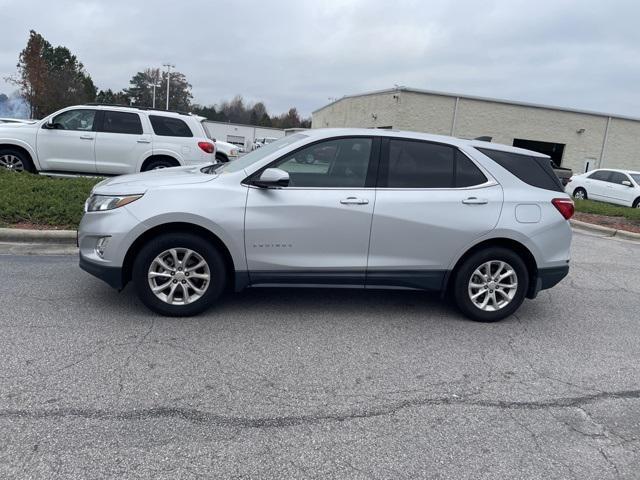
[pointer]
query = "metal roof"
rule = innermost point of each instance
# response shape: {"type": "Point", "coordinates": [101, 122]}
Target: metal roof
{"type": "Point", "coordinates": [482, 99]}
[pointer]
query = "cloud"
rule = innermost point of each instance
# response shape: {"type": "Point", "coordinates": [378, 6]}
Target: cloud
{"type": "Point", "coordinates": [289, 53]}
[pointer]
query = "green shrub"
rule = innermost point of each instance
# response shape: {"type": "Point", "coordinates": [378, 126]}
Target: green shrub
{"type": "Point", "coordinates": [42, 200]}
{"type": "Point", "coordinates": [601, 208]}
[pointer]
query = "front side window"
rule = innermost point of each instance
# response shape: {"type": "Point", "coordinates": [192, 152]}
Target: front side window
{"type": "Point", "coordinates": [81, 120]}
{"type": "Point", "coordinates": [122, 122]}
{"type": "Point", "coordinates": [169, 126]}
{"type": "Point", "coordinates": [338, 163]}
{"type": "Point", "coordinates": [617, 177]}
{"type": "Point", "coordinates": [416, 164]}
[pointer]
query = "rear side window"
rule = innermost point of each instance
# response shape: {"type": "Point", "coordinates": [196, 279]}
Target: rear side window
{"type": "Point", "coordinates": [170, 127]}
{"type": "Point", "coordinates": [415, 164]}
{"type": "Point", "coordinates": [122, 122]}
{"type": "Point", "coordinates": [602, 175]}
{"type": "Point", "coordinates": [535, 171]}
{"type": "Point", "coordinates": [467, 174]}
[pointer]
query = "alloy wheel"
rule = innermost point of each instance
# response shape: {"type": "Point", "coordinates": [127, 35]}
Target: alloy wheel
{"type": "Point", "coordinates": [493, 285]}
{"type": "Point", "coordinates": [11, 162]}
{"type": "Point", "coordinates": [579, 195]}
{"type": "Point", "coordinates": [179, 276]}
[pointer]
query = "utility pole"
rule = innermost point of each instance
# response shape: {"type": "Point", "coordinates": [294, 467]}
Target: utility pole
{"type": "Point", "coordinates": [155, 85]}
{"type": "Point", "coordinates": [169, 67]}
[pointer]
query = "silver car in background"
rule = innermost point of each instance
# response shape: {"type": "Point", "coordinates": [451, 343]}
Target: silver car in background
{"type": "Point", "coordinates": [362, 208]}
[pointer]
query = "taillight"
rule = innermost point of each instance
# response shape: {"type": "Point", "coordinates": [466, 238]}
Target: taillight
{"type": "Point", "coordinates": [206, 146]}
{"type": "Point", "coordinates": [565, 207]}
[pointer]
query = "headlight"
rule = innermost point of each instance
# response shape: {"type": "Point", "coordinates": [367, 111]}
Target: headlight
{"type": "Point", "coordinates": [100, 203]}
{"type": "Point", "coordinates": [234, 153]}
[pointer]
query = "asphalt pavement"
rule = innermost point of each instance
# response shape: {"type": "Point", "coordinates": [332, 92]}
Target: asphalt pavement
{"type": "Point", "coordinates": [293, 383]}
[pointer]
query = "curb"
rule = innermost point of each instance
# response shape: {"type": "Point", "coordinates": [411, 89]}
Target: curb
{"type": "Point", "coordinates": [606, 231]}
{"type": "Point", "coordinates": [17, 235]}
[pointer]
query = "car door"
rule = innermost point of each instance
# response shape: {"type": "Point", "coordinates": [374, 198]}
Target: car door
{"type": "Point", "coordinates": [66, 143]}
{"type": "Point", "coordinates": [617, 191]}
{"type": "Point", "coordinates": [432, 201]}
{"type": "Point", "coordinates": [316, 230]}
{"type": "Point", "coordinates": [596, 185]}
{"type": "Point", "coordinates": [121, 142]}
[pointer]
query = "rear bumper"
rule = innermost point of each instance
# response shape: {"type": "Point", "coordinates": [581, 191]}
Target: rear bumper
{"type": "Point", "coordinates": [110, 275]}
{"type": "Point", "coordinates": [548, 278]}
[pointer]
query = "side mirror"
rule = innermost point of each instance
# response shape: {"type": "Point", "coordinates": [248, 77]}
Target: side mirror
{"type": "Point", "coordinates": [272, 178]}
{"type": "Point", "coordinates": [49, 125]}
{"type": "Point", "coordinates": [627, 183]}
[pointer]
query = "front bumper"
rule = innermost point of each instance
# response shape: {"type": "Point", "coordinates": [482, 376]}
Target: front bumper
{"type": "Point", "coordinates": [111, 275]}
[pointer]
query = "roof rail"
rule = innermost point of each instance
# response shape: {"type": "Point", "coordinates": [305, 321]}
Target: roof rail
{"type": "Point", "coordinates": [97, 104]}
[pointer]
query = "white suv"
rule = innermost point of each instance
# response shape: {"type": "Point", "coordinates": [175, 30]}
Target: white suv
{"type": "Point", "coordinates": [105, 140]}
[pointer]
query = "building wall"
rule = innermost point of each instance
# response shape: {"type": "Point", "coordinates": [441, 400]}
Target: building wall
{"type": "Point", "coordinates": [432, 113]}
{"type": "Point", "coordinates": [224, 131]}
{"type": "Point", "coordinates": [623, 145]}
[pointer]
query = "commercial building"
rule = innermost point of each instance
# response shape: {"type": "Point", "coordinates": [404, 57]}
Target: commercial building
{"type": "Point", "coordinates": [238, 134]}
{"type": "Point", "coordinates": [576, 139]}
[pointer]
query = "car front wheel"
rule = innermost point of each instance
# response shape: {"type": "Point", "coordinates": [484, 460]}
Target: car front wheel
{"type": "Point", "coordinates": [491, 284]}
{"type": "Point", "coordinates": [179, 274]}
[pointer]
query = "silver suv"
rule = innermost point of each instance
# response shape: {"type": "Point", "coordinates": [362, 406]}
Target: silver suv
{"type": "Point", "coordinates": [360, 208]}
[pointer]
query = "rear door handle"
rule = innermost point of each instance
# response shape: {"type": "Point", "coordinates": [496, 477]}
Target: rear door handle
{"type": "Point", "coordinates": [144, 140]}
{"type": "Point", "coordinates": [475, 201]}
{"type": "Point", "coordinates": [86, 137]}
{"type": "Point", "coordinates": [354, 201]}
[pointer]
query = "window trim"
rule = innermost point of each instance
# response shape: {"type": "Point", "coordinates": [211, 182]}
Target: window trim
{"type": "Point", "coordinates": [103, 114]}
{"type": "Point", "coordinates": [384, 163]}
{"type": "Point", "coordinates": [372, 170]}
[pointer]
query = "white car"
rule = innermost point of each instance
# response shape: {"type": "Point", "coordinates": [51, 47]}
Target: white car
{"type": "Point", "coordinates": [225, 151]}
{"type": "Point", "coordinates": [105, 140]}
{"type": "Point", "coordinates": [607, 185]}
{"type": "Point", "coordinates": [15, 120]}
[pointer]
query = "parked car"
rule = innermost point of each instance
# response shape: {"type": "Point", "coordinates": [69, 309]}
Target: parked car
{"type": "Point", "coordinates": [485, 222]}
{"type": "Point", "coordinates": [225, 151]}
{"type": "Point", "coordinates": [106, 140]}
{"type": "Point", "coordinates": [564, 174]}
{"type": "Point", "coordinates": [262, 141]}
{"type": "Point", "coordinates": [621, 187]}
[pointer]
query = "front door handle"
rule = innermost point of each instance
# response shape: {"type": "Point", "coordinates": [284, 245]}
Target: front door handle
{"type": "Point", "coordinates": [86, 137]}
{"type": "Point", "coordinates": [354, 201]}
{"type": "Point", "coordinates": [475, 201]}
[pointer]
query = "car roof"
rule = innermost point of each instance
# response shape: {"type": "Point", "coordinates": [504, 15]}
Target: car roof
{"type": "Point", "coordinates": [616, 170]}
{"type": "Point", "coordinates": [380, 132]}
{"type": "Point", "coordinates": [124, 108]}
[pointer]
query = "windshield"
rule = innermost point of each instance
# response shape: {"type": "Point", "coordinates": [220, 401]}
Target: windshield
{"type": "Point", "coordinates": [636, 177]}
{"type": "Point", "coordinates": [260, 153]}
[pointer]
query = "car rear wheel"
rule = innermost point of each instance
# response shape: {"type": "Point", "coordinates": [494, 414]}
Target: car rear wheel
{"type": "Point", "coordinates": [580, 194]}
{"type": "Point", "coordinates": [159, 164]}
{"type": "Point", "coordinates": [179, 275]}
{"type": "Point", "coordinates": [636, 203]}
{"type": "Point", "coordinates": [491, 284]}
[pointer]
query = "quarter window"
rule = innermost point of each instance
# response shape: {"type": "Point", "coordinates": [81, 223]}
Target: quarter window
{"type": "Point", "coordinates": [415, 164]}
{"type": "Point", "coordinates": [169, 126]}
{"type": "Point", "coordinates": [122, 122]}
{"type": "Point", "coordinates": [339, 163]}
{"type": "Point", "coordinates": [75, 120]}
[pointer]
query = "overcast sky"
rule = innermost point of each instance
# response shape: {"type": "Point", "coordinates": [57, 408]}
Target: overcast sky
{"type": "Point", "coordinates": [582, 54]}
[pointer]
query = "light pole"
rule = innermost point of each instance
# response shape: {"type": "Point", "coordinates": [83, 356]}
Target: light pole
{"type": "Point", "coordinates": [169, 67]}
{"type": "Point", "coordinates": [155, 85]}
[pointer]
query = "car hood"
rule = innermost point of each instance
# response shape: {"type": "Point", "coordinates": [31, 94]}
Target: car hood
{"type": "Point", "coordinates": [141, 182]}
{"type": "Point", "coordinates": [12, 126]}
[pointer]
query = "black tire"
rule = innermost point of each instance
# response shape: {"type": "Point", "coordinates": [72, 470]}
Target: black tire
{"type": "Point", "coordinates": [464, 274]}
{"type": "Point", "coordinates": [160, 163]}
{"type": "Point", "coordinates": [16, 160]}
{"type": "Point", "coordinates": [204, 249]}
{"type": "Point", "coordinates": [580, 190]}
{"type": "Point", "coordinates": [636, 203]}
{"type": "Point", "coordinates": [221, 158]}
